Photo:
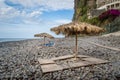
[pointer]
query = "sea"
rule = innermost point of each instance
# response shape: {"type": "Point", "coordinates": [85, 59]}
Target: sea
{"type": "Point", "coordinates": [11, 39]}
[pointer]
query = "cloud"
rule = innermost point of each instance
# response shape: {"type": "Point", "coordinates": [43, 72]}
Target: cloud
{"type": "Point", "coordinates": [29, 11]}
{"type": "Point", "coordinates": [56, 4]}
{"type": "Point", "coordinates": [8, 12]}
{"type": "Point", "coordinates": [2, 4]}
{"type": "Point", "coordinates": [63, 21]}
{"type": "Point", "coordinates": [12, 15]}
{"type": "Point", "coordinates": [45, 4]}
{"type": "Point", "coordinates": [35, 13]}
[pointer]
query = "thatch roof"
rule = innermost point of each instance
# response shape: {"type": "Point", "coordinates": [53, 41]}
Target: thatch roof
{"type": "Point", "coordinates": [77, 28]}
{"type": "Point", "coordinates": [43, 35]}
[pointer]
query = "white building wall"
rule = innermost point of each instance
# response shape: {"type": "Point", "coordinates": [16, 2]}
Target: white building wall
{"type": "Point", "coordinates": [108, 4]}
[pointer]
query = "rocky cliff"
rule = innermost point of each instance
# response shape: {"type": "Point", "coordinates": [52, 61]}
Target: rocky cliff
{"type": "Point", "coordinates": [81, 8]}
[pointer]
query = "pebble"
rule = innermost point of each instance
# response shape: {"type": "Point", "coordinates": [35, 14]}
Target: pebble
{"type": "Point", "coordinates": [18, 59]}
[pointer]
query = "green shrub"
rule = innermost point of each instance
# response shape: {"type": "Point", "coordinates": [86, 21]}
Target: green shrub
{"type": "Point", "coordinates": [114, 26]}
{"type": "Point", "coordinates": [94, 21]}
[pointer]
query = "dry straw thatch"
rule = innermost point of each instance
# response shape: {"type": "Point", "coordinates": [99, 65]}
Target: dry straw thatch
{"type": "Point", "coordinates": [43, 35]}
{"type": "Point", "coordinates": [75, 28]}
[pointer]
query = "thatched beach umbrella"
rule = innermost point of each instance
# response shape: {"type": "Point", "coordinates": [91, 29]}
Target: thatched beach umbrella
{"type": "Point", "coordinates": [75, 28]}
{"type": "Point", "coordinates": [43, 35]}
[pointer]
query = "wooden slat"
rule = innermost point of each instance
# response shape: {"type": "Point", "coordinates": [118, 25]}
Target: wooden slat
{"type": "Point", "coordinates": [83, 56]}
{"type": "Point", "coordinates": [50, 68]}
{"type": "Point", "coordinates": [46, 61]}
{"type": "Point", "coordinates": [84, 63]}
{"type": "Point", "coordinates": [67, 57]}
{"type": "Point", "coordinates": [77, 64]}
{"type": "Point", "coordinates": [94, 60]}
{"type": "Point", "coordinates": [63, 57]}
{"type": "Point", "coordinates": [112, 48]}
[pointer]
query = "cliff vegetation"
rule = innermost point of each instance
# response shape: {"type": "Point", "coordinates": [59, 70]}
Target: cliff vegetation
{"type": "Point", "coordinates": [109, 19]}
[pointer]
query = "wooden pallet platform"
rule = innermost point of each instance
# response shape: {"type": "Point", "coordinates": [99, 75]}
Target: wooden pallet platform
{"type": "Point", "coordinates": [50, 65]}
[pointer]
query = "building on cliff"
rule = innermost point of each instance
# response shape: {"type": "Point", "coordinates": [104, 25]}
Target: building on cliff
{"type": "Point", "coordinates": [103, 5]}
{"type": "Point", "coordinates": [94, 13]}
{"type": "Point", "coordinates": [108, 4]}
{"type": "Point", "coordinates": [93, 8]}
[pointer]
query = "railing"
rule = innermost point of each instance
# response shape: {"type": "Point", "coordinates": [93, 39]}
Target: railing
{"type": "Point", "coordinates": [111, 1]}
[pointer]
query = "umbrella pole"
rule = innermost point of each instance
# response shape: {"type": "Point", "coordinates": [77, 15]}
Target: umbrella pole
{"type": "Point", "coordinates": [44, 39]}
{"type": "Point", "coordinates": [76, 47]}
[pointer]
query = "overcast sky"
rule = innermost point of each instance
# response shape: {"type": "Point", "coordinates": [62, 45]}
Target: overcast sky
{"type": "Point", "coordinates": [24, 18]}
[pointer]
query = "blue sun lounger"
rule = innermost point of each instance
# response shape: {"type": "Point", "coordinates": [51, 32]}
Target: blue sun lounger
{"type": "Point", "coordinates": [50, 44]}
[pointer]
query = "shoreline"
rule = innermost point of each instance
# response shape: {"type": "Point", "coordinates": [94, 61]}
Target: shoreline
{"type": "Point", "coordinates": [12, 39]}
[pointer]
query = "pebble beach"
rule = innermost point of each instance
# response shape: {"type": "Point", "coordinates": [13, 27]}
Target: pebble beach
{"type": "Point", "coordinates": [19, 59]}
